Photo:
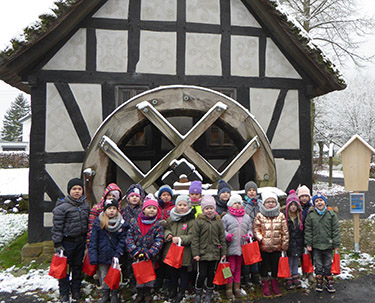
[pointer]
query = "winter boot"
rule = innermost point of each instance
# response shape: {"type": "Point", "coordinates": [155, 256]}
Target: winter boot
{"type": "Point", "coordinates": [172, 293]}
{"type": "Point", "coordinates": [329, 284]}
{"type": "Point", "coordinates": [148, 296]}
{"type": "Point", "coordinates": [114, 296]}
{"type": "Point", "coordinates": [198, 295]}
{"type": "Point", "coordinates": [266, 288]}
{"type": "Point", "coordinates": [275, 287]}
{"type": "Point", "coordinates": [180, 295]}
{"type": "Point", "coordinates": [140, 295]}
{"type": "Point", "coordinates": [310, 277]}
{"type": "Point", "coordinates": [105, 296]}
{"type": "Point", "coordinates": [229, 291]}
{"type": "Point", "coordinates": [296, 281]}
{"type": "Point", "coordinates": [289, 284]}
{"type": "Point", "coordinates": [76, 296]}
{"type": "Point", "coordinates": [319, 283]}
{"type": "Point", "coordinates": [237, 290]}
{"type": "Point", "coordinates": [209, 293]}
{"type": "Point", "coordinates": [255, 279]}
{"type": "Point", "coordinates": [64, 299]}
{"type": "Point", "coordinates": [245, 281]}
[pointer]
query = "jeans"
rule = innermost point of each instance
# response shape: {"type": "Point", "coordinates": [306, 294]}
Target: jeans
{"type": "Point", "coordinates": [74, 252]}
{"type": "Point", "coordinates": [322, 261]}
{"type": "Point", "coordinates": [293, 265]}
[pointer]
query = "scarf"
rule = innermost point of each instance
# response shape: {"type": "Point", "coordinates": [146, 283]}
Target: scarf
{"type": "Point", "coordinates": [115, 223]}
{"type": "Point", "coordinates": [321, 212]}
{"type": "Point", "coordinates": [273, 212]}
{"type": "Point", "coordinates": [251, 201]}
{"type": "Point", "coordinates": [236, 212]}
{"type": "Point", "coordinates": [175, 216]}
{"type": "Point", "coordinates": [195, 202]}
{"type": "Point", "coordinates": [145, 223]}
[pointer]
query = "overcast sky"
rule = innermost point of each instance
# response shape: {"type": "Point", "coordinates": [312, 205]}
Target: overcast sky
{"type": "Point", "coordinates": [17, 14]}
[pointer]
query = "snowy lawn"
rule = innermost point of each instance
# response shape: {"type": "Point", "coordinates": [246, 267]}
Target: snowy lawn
{"type": "Point", "coordinates": [12, 226]}
{"type": "Point", "coordinates": [14, 181]}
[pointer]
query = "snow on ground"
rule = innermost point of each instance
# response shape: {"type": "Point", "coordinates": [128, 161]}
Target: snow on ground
{"type": "Point", "coordinates": [323, 188]}
{"type": "Point", "coordinates": [12, 226]}
{"type": "Point", "coordinates": [14, 181]}
{"type": "Point", "coordinates": [335, 173]}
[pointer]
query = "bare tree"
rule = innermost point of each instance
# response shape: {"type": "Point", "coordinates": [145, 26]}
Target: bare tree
{"type": "Point", "coordinates": [336, 25]}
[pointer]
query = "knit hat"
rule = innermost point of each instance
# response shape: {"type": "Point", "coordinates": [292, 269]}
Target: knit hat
{"type": "Point", "coordinates": [74, 182]}
{"type": "Point", "coordinates": [292, 197]}
{"type": "Point", "coordinates": [115, 193]}
{"type": "Point", "coordinates": [150, 202]}
{"type": "Point", "coordinates": [250, 184]}
{"type": "Point", "coordinates": [235, 198]}
{"type": "Point", "coordinates": [268, 194]}
{"type": "Point", "coordinates": [111, 187]}
{"type": "Point", "coordinates": [303, 190]}
{"type": "Point", "coordinates": [134, 191]}
{"type": "Point", "coordinates": [195, 187]}
{"type": "Point", "coordinates": [183, 198]}
{"type": "Point", "coordinates": [208, 200]}
{"type": "Point", "coordinates": [223, 187]}
{"type": "Point", "coordinates": [319, 195]}
{"type": "Point", "coordinates": [110, 202]}
{"type": "Point", "coordinates": [165, 188]}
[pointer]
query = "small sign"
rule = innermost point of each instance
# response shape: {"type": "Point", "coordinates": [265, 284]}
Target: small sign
{"type": "Point", "coordinates": [357, 203]}
{"type": "Point", "coordinates": [227, 273]}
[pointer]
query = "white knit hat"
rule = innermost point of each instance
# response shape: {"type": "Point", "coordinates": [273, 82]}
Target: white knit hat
{"type": "Point", "coordinates": [268, 194]}
{"type": "Point", "coordinates": [235, 198]}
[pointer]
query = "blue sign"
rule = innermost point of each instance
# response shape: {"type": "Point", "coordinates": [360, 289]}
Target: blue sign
{"type": "Point", "coordinates": [357, 203]}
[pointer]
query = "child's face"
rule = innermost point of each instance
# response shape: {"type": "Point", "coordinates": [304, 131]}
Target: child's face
{"type": "Point", "coordinates": [237, 205]}
{"type": "Point", "coordinates": [195, 196]}
{"type": "Point", "coordinates": [111, 211]}
{"type": "Point", "coordinates": [293, 207]}
{"type": "Point", "coordinates": [209, 212]}
{"type": "Point", "coordinates": [76, 192]}
{"type": "Point", "coordinates": [304, 199]}
{"type": "Point", "coordinates": [251, 193]}
{"type": "Point", "coordinates": [224, 196]}
{"type": "Point", "coordinates": [134, 200]}
{"type": "Point", "coordinates": [182, 207]}
{"type": "Point", "coordinates": [110, 196]}
{"type": "Point", "coordinates": [150, 211]}
{"type": "Point", "coordinates": [319, 203]}
{"type": "Point", "coordinates": [166, 197]}
{"type": "Point", "coordinates": [270, 203]}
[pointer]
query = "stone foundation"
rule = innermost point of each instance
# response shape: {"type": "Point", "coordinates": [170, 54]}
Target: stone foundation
{"type": "Point", "coordinates": [40, 252]}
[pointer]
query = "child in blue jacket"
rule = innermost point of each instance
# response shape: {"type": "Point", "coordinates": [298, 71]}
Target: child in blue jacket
{"type": "Point", "coordinates": [107, 244]}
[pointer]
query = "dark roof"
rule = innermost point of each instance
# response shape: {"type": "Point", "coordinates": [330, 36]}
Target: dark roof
{"type": "Point", "coordinates": [310, 59]}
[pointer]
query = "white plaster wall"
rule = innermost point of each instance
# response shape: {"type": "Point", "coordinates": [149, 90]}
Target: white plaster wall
{"type": "Point", "coordinates": [285, 171]}
{"type": "Point", "coordinates": [112, 50]}
{"type": "Point", "coordinates": [72, 56]}
{"type": "Point", "coordinates": [60, 133]}
{"type": "Point", "coordinates": [113, 9]}
{"type": "Point", "coordinates": [26, 126]}
{"type": "Point", "coordinates": [89, 100]}
{"type": "Point", "coordinates": [244, 56]}
{"type": "Point", "coordinates": [240, 15]}
{"type": "Point", "coordinates": [262, 103]}
{"type": "Point", "coordinates": [203, 54]}
{"type": "Point", "coordinates": [203, 11]}
{"type": "Point", "coordinates": [61, 173]}
{"type": "Point", "coordinates": [159, 10]}
{"type": "Point", "coordinates": [47, 219]}
{"type": "Point", "coordinates": [157, 53]}
{"type": "Point", "coordinates": [287, 131]}
{"type": "Point", "coordinates": [276, 63]}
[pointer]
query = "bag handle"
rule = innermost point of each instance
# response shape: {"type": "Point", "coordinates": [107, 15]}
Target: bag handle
{"type": "Point", "coordinates": [305, 251]}
{"type": "Point", "coordinates": [336, 250]}
{"type": "Point", "coordinates": [179, 241]}
{"type": "Point", "coordinates": [283, 253]}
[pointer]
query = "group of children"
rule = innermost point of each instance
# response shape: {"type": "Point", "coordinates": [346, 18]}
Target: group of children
{"type": "Point", "coordinates": [210, 230]}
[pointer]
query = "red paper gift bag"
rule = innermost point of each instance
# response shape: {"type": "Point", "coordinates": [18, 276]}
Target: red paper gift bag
{"type": "Point", "coordinates": [283, 269]}
{"type": "Point", "coordinates": [87, 268]}
{"type": "Point", "coordinates": [175, 255]}
{"type": "Point", "coordinates": [113, 277]}
{"type": "Point", "coordinates": [307, 266]}
{"type": "Point", "coordinates": [219, 278]}
{"type": "Point", "coordinates": [143, 271]}
{"type": "Point", "coordinates": [58, 266]}
{"type": "Point", "coordinates": [336, 264]}
{"type": "Point", "coordinates": [251, 253]}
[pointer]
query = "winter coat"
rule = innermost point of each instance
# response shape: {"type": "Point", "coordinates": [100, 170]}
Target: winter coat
{"type": "Point", "coordinates": [104, 245]}
{"type": "Point", "coordinates": [252, 210]}
{"type": "Point", "coordinates": [131, 214]}
{"type": "Point", "coordinates": [221, 206]}
{"type": "Point", "coordinates": [208, 240]}
{"type": "Point", "coordinates": [151, 243]}
{"type": "Point", "coordinates": [184, 230]}
{"type": "Point", "coordinates": [322, 232]}
{"type": "Point", "coordinates": [166, 209]}
{"type": "Point", "coordinates": [98, 208]}
{"type": "Point", "coordinates": [198, 210]}
{"type": "Point", "coordinates": [238, 226]}
{"type": "Point", "coordinates": [296, 238]}
{"type": "Point", "coordinates": [70, 219]}
{"type": "Point", "coordinates": [271, 229]}
{"type": "Point", "coordinates": [305, 211]}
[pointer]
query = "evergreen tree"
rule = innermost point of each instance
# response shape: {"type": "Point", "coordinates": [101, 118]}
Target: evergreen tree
{"type": "Point", "coordinates": [12, 128]}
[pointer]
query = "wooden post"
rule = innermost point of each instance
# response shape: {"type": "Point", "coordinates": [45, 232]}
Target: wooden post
{"type": "Point", "coordinates": [356, 233]}
{"type": "Point", "coordinates": [330, 164]}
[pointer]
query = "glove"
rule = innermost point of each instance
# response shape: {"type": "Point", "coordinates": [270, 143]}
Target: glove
{"type": "Point", "coordinates": [57, 249]}
{"type": "Point", "coordinates": [230, 237]}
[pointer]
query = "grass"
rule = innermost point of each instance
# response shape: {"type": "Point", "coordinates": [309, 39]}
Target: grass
{"type": "Point", "coordinates": [11, 255]}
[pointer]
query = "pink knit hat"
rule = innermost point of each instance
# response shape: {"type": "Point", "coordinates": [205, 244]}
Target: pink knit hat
{"type": "Point", "coordinates": [303, 190]}
{"type": "Point", "coordinates": [150, 202]}
{"type": "Point", "coordinates": [292, 197]}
